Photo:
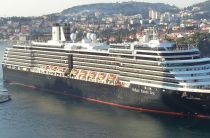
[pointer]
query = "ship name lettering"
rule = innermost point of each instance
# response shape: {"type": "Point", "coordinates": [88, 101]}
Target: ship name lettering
{"type": "Point", "coordinates": [135, 90]}
{"type": "Point", "coordinates": [147, 92]}
{"type": "Point", "coordinates": [144, 91]}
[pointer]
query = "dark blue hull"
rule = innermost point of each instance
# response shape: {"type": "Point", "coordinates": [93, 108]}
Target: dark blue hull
{"type": "Point", "coordinates": [136, 97]}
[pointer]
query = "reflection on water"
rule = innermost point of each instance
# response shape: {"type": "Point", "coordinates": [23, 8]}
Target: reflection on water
{"type": "Point", "coordinates": [37, 114]}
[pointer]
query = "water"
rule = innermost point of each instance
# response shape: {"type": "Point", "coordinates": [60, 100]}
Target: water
{"type": "Point", "coordinates": [37, 114]}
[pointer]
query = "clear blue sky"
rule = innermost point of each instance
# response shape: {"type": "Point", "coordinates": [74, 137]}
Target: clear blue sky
{"type": "Point", "coordinates": [40, 7]}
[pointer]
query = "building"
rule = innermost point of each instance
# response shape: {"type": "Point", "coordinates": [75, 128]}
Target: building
{"type": "Point", "coordinates": [154, 15]}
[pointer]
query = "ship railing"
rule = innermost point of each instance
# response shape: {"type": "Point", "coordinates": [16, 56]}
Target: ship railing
{"type": "Point", "coordinates": [28, 43]}
{"type": "Point", "coordinates": [97, 69]}
{"type": "Point", "coordinates": [180, 47]}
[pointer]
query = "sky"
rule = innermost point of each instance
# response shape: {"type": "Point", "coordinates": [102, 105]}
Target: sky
{"type": "Point", "coordinates": [41, 7]}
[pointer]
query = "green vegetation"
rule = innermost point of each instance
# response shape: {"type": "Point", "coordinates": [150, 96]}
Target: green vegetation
{"type": "Point", "coordinates": [201, 39]}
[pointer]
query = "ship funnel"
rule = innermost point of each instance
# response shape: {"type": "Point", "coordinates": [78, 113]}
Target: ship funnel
{"type": "Point", "coordinates": [63, 38]}
{"type": "Point", "coordinates": [61, 33]}
{"type": "Point", "coordinates": [56, 32]}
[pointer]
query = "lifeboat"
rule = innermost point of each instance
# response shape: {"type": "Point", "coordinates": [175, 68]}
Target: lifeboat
{"type": "Point", "coordinates": [111, 77]}
{"type": "Point", "coordinates": [51, 67]}
{"type": "Point", "coordinates": [48, 67]}
{"type": "Point", "coordinates": [55, 68]}
{"type": "Point", "coordinates": [83, 73]}
{"type": "Point", "coordinates": [119, 83]}
{"type": "Point", "coordinates": [60, 69]}
{"type": "Point", "coordinates": [92, 74]}
{"type": "Point", "coordinates": [101, 76]}
{"type": "Point", "coordinates": [74, 72]}
{"type": "Point", "coordinates": [64, 69]}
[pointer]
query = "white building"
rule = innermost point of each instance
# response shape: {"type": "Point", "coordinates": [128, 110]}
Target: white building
{"type": "Point", "coordinates": [154, 15]}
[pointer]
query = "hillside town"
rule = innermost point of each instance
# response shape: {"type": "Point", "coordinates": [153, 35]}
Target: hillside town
{"type": "Point", "coordinates": [109, 28]}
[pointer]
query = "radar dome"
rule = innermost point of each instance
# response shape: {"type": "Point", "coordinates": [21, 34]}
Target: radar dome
{"type": "Point", "coordinates": [85, 40]}
{"type": "Point", "coordinates": [88, 35]}
{"type": "Point", "coordinates": [73, 36]}
{"type": "Point", "coordinates": [93, 37]}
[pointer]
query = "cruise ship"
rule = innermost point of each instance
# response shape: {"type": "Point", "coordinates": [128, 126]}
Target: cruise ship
{"type": "Point", "coordinates": [150, 75]}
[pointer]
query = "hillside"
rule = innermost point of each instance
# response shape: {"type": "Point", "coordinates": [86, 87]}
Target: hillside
{"type": "Point", "coordinates": [201, 10]}
{"type": "Point", "coordinates": [204, 6]}
{"type": "Point", "coordinates": [125, 8]}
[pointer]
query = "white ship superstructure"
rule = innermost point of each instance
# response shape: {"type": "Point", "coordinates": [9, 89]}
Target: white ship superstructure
{"type": "Point", "coordinates": [160, 64]}
{"type": "Point", "coordinates": [153, 68]}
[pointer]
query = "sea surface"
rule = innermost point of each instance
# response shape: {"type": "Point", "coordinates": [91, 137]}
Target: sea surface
{"type": "Point", "coordinates": [38, 114]}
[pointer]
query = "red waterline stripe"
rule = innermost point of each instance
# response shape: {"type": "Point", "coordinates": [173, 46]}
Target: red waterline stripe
{"type": "Point", "coordinates": [21, 84]}
{"type": "Point", "coordinates": [202, 116]}
{"type": "Point", "coordinates": [123, 106]}
{"type": "Point", "coordinates": [129, 107]}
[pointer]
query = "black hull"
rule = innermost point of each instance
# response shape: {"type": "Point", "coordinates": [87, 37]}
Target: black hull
{"type": "Point", "coordinates": [136, 97]}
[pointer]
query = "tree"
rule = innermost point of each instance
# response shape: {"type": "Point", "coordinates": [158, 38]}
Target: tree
{"type": "Point", "coordinates": [202, 40]}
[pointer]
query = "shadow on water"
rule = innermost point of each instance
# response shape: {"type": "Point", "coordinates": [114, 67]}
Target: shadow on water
{"type": "Point", "coordinates": [87, 119]}
{"type": "Point", "coordinates": [34, 113]}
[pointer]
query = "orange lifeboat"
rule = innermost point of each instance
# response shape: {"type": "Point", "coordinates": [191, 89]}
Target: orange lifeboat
{"type": "Point", "coordinates": [92, 75]}
{"type": "Point", "coordinates": [101, 76]}
{"type": "Point", "coordinates": [83, 73]}
{"type": "Point", "coordinates": [51, 67]}
{"type": "Point", "coordinates": [60, 69]}
{"type": "Point", "coordinates": [119, 83]}
{"type": "Point", "coordinates": [111, 77]}
{"type": "Point", "coordinates": [47, 67]}
{"type": "Point", "coordinates": [55, 68]}
{"type": "Point", "coordinates": [64, 69]}
{"type": "Point", "coordinates": [74, 72]}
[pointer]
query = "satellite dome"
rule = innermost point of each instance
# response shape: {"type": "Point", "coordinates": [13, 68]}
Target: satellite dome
{"type": "Point", "coordinates": [93, 37]}
{"type": "Point", "coordinates": [73, 36]}
{"type": "Point", "coordinates": [88, 35]}
{"type": "Point", "coordinates": [85, 40]}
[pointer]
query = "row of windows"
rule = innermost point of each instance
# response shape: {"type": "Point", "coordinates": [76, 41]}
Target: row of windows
{"type": "Point", "coordinates": [183, 58]}
{"type": "Point", "coordinates": [91, 53]}
{"type": "Point", "coordinates": [176, 54]}
{"type": "Point", "coordinates": [147, 53]}
{"type": "Point", "coordinates": [192, 75]}
{"type": "Point", "coordinates": [187, 64]}
{"type": "Point", "coordinates": [193, 69]}
{"type": "Point", "coordinates": [150, 48]}
{"type": "Point", "coordinates": [148, 58]}
{"type": "Point", "coordinates": [196, 80]}
{"type": "Point", "coordinates": [149, 72]}
{"type": "Point", "coordinates": [199, 87]}
{"type": "Point", "coordinates": [143, 76]}
{"type": "Point", "coordinates": [96, 61]}
{"type": "Point", "coordinates": [120, 51]}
